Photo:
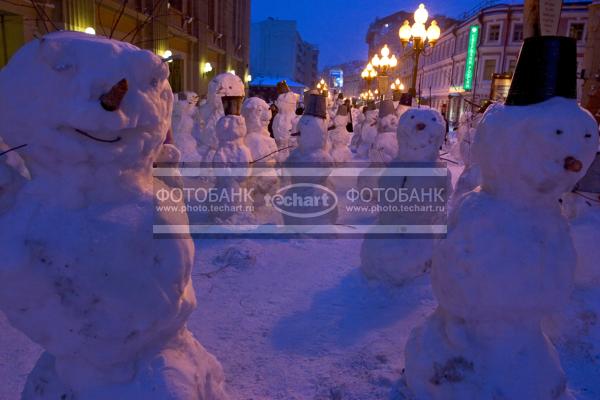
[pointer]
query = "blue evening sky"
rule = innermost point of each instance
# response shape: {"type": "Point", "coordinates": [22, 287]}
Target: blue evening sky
{"type": "Point", "coordinates": [338, 27]}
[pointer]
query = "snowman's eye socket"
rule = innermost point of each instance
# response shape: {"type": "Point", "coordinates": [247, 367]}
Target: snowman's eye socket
{"type": "Point", "coordinates": [154, 82]}
{"type": "Point", "coordinates": [433, 119]}
{"type": "Point", "coordinates": [412, 117]}
{"type": "Point", "coordinates": [588, 135]}
{"type": "Point", "coordinates": [559, 132]}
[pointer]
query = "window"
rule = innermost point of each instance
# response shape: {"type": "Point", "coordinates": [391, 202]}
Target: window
{"type": "Point", "coordinates": [517, 35]}
{"type": "Point", "coordinates": [576, 30]}
{"type": "Point", "coordinates": [489, 68]}
{"type": "Point", "coordinates": [493, 33]}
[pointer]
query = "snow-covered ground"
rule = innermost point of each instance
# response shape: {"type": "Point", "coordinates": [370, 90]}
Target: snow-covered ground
{"type": "Point", "coordinates": [294, 319]}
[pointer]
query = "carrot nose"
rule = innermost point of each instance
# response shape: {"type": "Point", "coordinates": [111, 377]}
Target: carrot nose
{"type": "Point", "coordinates": [572, 164]}
{"type": "Point", "coordinates": [421, 126]}
{"type": "Point", "coordinates": [111, 100]}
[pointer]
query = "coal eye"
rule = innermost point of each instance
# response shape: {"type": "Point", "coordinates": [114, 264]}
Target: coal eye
{"type": "Point", "coordinates": [62, 67]}
{"type": "Point", "coordinates": [412, 117]}
{"type": "Point", "coordinates": [154, 82]}
{"type": "Point", "coordinates": [559, 132]}
{"type": "Point", "coordinates": [588, 135]}
{"type": "Point", "coordinates": [433, 119]}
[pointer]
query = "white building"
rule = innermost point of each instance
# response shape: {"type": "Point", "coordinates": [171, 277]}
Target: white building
{"type": "Point", "coordinates": [441, 74]}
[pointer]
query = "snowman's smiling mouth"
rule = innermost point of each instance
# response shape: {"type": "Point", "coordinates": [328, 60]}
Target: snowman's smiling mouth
{"type": "Point", "coordinates": [90, 136]}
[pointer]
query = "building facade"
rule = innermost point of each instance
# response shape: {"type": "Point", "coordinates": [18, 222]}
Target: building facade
{"type": "Point", "coordinates": [499, 31]}
{"type": "Point", "coordinates": [205, 37]}
{"type": "Point", "coordinates": [277, 50]}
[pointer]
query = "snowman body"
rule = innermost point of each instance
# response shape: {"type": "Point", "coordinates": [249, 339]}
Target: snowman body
{"type": "Point", "coordinates": [81, 275]}
{"type": "Point", "coordinates": [283, 122]}
{"type": "Point", "coordinates": [507, 263]}
{"type": "Point", "coordinates": [182, 126]}
{"type": "Point", "coordinates": [396, 261]}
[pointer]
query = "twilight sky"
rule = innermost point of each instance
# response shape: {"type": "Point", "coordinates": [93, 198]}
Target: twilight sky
{"type": "Point", "coordinates": [338, 27]}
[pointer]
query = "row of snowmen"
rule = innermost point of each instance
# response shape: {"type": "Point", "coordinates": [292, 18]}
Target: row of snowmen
{"type": "Point", "coordinates": [109, 305]}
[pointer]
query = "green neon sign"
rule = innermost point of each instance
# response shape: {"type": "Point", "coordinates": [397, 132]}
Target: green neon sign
{"type": "Point", "coordinates": [471, 55]}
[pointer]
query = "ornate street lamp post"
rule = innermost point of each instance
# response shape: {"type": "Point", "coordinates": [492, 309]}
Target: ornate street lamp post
{"type": "Point", "coordinates": [420, 37]}
{"type": "Point", "coordinates": [368, 74]}
{"type": "Point", "coordinates": [397, 89]}
{"type": "Point", "coordinates": [385, 62]}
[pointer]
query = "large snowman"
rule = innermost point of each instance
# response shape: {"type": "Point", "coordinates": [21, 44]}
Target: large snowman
{"type": "Point", "coordinates": [283, 121]}
{"type": "Point", "coordinates": [205, 129]}
{"type": "Point", "coordinates": [508, 260]}
{"type": "Point", "coordinates": [80, 273]}
{"type": "Point", "coordinates": [182, 125]}
{"type": "Point", "coordinates": [420, 134]}
{"type": "Point", "coordinates": [312, 152]}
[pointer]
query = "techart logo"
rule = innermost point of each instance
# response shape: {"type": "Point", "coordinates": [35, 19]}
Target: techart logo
{"type": "Point", "coordinates": [303, 200]}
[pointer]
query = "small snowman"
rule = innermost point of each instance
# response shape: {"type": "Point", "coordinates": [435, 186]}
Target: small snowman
{"type": "Point", "coordinates": [182, 125]}
{"type": "Point", "coordinates": [340, 137]}
{"type": "Point", "coordinates": [232, 151]}
{"type": "Point", "coordinates": [368, 130]}
{"type": "Point", "coordinates": [263, 149]}
{"type": "Point", "coordinates": [210, 113]}
{"type": "Point", "coordinates": [508, 260]}
{"type": "Point", "coordinates": [283, 121]}
{"type": "Point", "coordinates": [80, 273]}
{"type": "Point", "coordinates": [385, 147]}
{"type": "Point", "coordinates": [420, 134]}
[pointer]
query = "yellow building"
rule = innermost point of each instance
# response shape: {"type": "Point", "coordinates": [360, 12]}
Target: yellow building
{"type": "Point", "coordinates": [205, 37]}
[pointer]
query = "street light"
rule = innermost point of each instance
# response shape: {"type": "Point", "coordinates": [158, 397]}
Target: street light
{"type": "Point", "coordinates": [322, 87]}
{"type": "Point", "coordinates": [420, 37]}
{"type": "Point", "coordinates": [397, 89]}
{"type": "Point", "coordinates": [385, 62]}
{"type": "Point", "coordinates": [368, 74]}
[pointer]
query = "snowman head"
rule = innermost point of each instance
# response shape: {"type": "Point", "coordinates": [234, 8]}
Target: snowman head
{"type": "Point", "coordinates": [96, 101]}
{"type": "Point", "coordinates": [537, 151]}
{"type": "Point", "coordinates": [286, 102]}
{"type": "Point", "coordinates": [257, 114]}
{"type": "Point", "coordinates": [313, 133]}
{"type": "Point", "coordinates": [420, 134]}
{"type": "Point", "coordinates": [389, 123]}
{"type": "Point", "coordinates": [225, 84]}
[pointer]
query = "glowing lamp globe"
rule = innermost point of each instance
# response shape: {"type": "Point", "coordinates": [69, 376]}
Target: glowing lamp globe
{"type": "Point", "coordinates": [433, 32]}
{"type": "Point", "coordinates": [421, 14]}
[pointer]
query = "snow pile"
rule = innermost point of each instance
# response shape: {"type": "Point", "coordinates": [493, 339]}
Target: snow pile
{"type": "Point", "coordinates": [80, 274]}
{"type": "Point", "coordinates": [507, 263]}
{"type": "Point", "coordinates": [396, 261]}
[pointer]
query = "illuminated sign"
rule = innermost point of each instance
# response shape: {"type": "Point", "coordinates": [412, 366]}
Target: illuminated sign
{"type": "Point", "coordinates": [471, 55]}
{"type": "Point", "coordinates": [337, 77]}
